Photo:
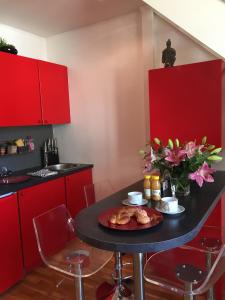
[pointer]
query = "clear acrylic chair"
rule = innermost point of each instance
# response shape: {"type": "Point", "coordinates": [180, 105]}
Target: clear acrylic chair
{"type": "Point", "coordinates": [93, 193]}
{"type": "Point", "coordinates": [62, 251]}
{"type": "Point", "coordinates": [209, 241]}
{"type": "Point", "coordinates": [184, 271]}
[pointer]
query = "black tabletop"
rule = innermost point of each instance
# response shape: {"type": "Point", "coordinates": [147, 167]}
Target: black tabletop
{"type": "Point", "coordinates": [175, 230]}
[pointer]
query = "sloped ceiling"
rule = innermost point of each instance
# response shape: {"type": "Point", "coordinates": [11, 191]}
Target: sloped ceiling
{"type": "Point", "coordinates": [50, 17]}
{"type": "Point", "coordinates": [202, 20]}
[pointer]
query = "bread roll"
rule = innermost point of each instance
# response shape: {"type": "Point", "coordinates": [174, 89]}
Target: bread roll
{"type": "Point", "coordinates": [123, 219]}
{"type": "Point", "coordinates": [143, 220]}
{"type": "Point", "coordinates": [113, 219]}
{"type": "Point", "coordinates": [140, 212]}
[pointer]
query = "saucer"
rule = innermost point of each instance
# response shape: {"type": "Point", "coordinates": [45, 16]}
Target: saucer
{"type": "Point", "coordinates": [127, 202]}
{"type": "Point", "coordinates": [164, 211]}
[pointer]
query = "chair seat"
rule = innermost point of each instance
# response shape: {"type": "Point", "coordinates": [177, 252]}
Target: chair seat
{"type": "Point", "coordinates": [79, 259]}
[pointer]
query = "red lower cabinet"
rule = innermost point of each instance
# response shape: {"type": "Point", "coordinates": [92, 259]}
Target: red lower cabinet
{"type": "Point", "coordinates": [11, 262]}
{"type": "Point", "coordinates": [75, 190]}
{"type": "Point", "coordinates": [32, 202]}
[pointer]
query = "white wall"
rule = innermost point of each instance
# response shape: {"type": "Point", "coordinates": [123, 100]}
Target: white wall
{"type": "Point", "coordinates": [27, 44]}
{"type": "Point", "coordinates": [203, 20]}
{"type": "Point", "coordinates": [187, 51]}
{"type": "Point", "coordinates": [106, 94]}
{"type": "Point", "coordinates": [108, 65]}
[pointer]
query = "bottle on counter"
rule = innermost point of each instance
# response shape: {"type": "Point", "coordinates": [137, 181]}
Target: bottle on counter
{"type": "Point", "coordinates": [155, 188]}
{"type": "Point", "coordinates": [147, 187]}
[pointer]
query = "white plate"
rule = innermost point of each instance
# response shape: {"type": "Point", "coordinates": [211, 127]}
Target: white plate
{"type": "Point", "coordinates": [127, 202]}
{"type": "Point", "coordinates": [179, 211]}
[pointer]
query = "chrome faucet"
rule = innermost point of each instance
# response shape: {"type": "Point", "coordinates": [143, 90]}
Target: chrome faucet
{"type": "Point", "coordinates": [4, 171]}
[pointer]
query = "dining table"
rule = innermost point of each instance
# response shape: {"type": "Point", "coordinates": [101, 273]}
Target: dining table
{"type": "Point", "coordinates": [173, 231]}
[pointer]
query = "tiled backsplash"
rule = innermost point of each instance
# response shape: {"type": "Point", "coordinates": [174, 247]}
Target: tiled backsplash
{"type": "Point", "coordinates": [25, 160]}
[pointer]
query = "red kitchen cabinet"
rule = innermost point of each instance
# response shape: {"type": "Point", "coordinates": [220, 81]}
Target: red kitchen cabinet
{"type": "Point", "coordinates": [11, 262]}
{"type": "Point", "coordinates": [54, 93]}
{"type": "Point", "coordinates": [188, 102]}
{"type": "Point", "coordinates": [32, 202]}
{"type": "Point", "coordinates": [75, 197]}
{"type": "Point", "coordinates": [20, 95]}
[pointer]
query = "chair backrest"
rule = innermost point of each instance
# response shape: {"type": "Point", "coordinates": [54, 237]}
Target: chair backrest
{"type": "Point", "coordinates": [216, 271]}
{"type": "Point", "coordinates": [54, 229]}
{"type": "Point", "coordinates": [97, 191]}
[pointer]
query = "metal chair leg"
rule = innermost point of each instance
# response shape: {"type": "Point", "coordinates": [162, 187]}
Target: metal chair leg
{"type": "Point", "coordinates": [79, 285]}
{"type": "Point", "coordinates": [189, 275]}
{"type": "Point", "coordinates": [79, 288]}
{"type": "Point", "coordinates": [188, 288]}
{"type": "Point", "coordinates": [210, 245]}
{"type": "Point", "coordinates": [210, 294]}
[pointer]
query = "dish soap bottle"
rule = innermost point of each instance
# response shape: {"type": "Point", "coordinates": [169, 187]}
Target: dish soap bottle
{"type": "Point", "coordinates": [147, 187]}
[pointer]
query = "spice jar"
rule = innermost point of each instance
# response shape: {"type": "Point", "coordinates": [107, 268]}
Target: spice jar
{"type": "Point", "coordinates": [2, 149]}
{"type": "Point", "coordinates": [147, 187]}
{"type": "Point", "coordinates": [155, 188]}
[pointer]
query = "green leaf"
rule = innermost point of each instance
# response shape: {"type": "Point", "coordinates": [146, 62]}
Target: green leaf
{"type": "Point", "coordinates": [170, 143]}
{"type": "Point", "coordinates": [157, 141]}
{"type": "Point", "coordinates": [215, 158]}
{"type": "Point", "coordinates": [204, 139]}
{"type": "Point", "coordinates": [216, 151]}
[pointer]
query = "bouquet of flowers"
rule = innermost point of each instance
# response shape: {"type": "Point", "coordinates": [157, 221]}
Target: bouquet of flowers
{"type": "Point", "coordinates": [182, 162]}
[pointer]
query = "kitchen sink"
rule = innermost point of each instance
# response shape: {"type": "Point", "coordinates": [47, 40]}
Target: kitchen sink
{"type": "Point", "coordinates": [62, 167]}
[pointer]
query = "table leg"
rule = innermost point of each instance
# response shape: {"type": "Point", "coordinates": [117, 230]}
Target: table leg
{"type": "Point", "coordinates": [139, 291]}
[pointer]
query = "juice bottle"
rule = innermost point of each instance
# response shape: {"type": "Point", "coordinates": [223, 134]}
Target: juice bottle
{"type": "Point", "coordinates": [147, 187]}
{"type": "Point", "coordinates": [155, 188]}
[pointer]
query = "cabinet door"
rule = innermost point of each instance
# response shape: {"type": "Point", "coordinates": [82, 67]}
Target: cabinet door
{"type": "Point", "coordinates": [11, 263]}
{"type": "Point", "coordinates": [54, 93]}
{"type": "Point", "coordinates": [32, 202]}
{"type": "Point", "coordinates": [20, 94]}
{"type": "Point", "coordinates": [185, 102]}
{"type": "Point", "coordinates": [75, 190]}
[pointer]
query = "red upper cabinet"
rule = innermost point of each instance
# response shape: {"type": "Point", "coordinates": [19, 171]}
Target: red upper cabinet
{"type": "Point", "coordinates": [19, 91]}
{"type": "Point", "coordinates": [32, 202]}
{"type": "Point", "coordinates": [11, 262]}
{"type": "Point", "coordinates": [54, 93]}
{"type": "Point", "coordinates": [186, 102]}
{"type": "Point", "coordinates": [75, 190]}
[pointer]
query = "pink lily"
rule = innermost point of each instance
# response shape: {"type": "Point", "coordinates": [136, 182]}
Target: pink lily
{"type": "Point", "coordinates": [191, 148]}
{"type": "Point", "coordinates": [175, 156]}
{"type": "Point", "coordinates": [202, 174]}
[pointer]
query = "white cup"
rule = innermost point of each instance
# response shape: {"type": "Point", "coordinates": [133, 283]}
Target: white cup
{"type": "Point", "coordinates": [135, 197]}
{"type": "Point", "coordinates": [170, 204]}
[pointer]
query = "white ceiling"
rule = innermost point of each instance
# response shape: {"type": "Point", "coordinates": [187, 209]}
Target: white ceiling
{"type": "Point", "coordinates": [49, 17]}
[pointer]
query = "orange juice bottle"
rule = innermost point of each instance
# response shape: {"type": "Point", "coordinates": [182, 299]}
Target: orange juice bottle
{"type": "Point", "coordinates": [155, 188]}
{"type": "Point", "coordinates": [147, 187]}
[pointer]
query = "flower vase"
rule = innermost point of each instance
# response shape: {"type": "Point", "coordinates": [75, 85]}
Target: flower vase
{"type": "Point", "coordinates": [180, 186]}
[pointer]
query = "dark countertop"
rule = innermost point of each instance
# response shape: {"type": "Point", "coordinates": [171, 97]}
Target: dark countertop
{"type": "Point", "coordinates": [14, 187]}
{"type": "Point", "coordinates": [174, 231]}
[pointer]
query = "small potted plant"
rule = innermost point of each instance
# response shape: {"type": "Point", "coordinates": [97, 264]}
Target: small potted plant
{"type": "Point", "coordinates": [5, 47]}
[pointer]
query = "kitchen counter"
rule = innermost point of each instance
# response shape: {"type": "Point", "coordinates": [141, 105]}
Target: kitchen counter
{"type": "Point", "coordinates": [14, 187]}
